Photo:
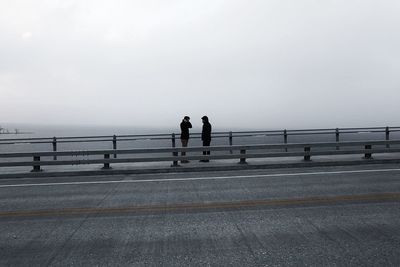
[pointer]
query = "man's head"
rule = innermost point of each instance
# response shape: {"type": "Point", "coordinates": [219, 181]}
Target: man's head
{"type": "Point", "coordinates": [204, 118]}
{"type": "Point", "coordinates": [186, 118]}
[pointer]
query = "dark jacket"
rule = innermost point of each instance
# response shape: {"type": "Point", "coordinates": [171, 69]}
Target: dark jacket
{"type": "Point", "coordinates": [206, 132]}
{"type": "Point", "coordinates": [185, 125]}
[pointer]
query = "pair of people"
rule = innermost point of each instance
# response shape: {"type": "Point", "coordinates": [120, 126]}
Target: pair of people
{"type": "Point", "coordinates": [205, 135]}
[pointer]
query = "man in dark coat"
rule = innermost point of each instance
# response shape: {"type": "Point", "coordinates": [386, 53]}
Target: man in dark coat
{"type": "Point", "coordinates": [185, 126]}
{"type": "Point", "coordinates": [206, 136]}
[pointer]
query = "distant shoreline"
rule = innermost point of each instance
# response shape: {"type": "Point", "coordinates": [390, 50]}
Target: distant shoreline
{"type": "Point", "coordinates": [16, 133]}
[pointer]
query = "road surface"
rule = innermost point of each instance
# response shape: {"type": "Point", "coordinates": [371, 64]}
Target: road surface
{"type": "Point", "coordinates": [332, 216]}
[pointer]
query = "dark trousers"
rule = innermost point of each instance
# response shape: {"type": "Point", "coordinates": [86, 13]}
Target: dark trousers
{"type": "Point", "coordinates": [206, 143]}
{"type": "Point", "coordinates": [184, 144]}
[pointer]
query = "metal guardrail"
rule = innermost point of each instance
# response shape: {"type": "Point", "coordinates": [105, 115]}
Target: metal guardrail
{"type": "Point", "coordinates": [366, 148]}
{"type": "Point", "coordinates": [115, 139]}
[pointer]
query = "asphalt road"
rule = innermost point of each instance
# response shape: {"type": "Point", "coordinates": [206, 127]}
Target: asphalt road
{"type": "Point", "coordinates": [336, 216]}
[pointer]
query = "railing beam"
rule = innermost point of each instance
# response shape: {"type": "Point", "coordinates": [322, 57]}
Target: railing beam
{"type": "Point", "coordinates": [245, 152]}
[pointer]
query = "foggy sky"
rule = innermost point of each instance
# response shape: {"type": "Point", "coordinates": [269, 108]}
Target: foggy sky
{"type": "Point", "coordinates": [261, 64]}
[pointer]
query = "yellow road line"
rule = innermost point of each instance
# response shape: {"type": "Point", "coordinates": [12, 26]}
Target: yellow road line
{"type": "Point", "coordinates": [204, 206]}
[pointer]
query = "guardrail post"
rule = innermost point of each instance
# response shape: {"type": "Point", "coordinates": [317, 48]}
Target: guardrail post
{"type": "Point", "coordinates": [387, 132]}
{"type": "Point", "coordinates": [36, 168]}
{"type": "Point", "coordinates": [106, 164]}
{"type": "Point", "coordinates": [243, 160]}
{"type": "Point", "coordinates": [173, 140]}
{"type": "Point", "coordinates": [307, 156]}
{"type": "Point", "coordinates": [175, 153]}
{"type": "Point", "coordinates": [337, 138]}
{"type": "Point", "coordinates": [54, 147]}
{"type": "Point", "coordinates": [285, 138]}
{"type": "Point", "coordinates": [368, 155]}
{"type": "Point", "coordinates": [115, 144]}
{"type": "Point", "coordinates": [230, 141]}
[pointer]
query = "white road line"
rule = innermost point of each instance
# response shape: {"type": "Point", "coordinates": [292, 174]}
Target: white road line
{"type": "Point", "coordinates": [200, 178]}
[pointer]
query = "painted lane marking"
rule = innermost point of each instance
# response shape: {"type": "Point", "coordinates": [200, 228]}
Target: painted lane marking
{"type": "Point", "coordinates": [200, 178]}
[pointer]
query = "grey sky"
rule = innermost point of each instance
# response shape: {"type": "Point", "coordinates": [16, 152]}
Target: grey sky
{"type": "Point", "coordinates": [262, 64]}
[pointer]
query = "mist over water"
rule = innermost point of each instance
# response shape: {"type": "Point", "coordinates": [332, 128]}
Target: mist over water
{"type": "Point", "coordinates": [41, 130]}
{"type": "Point", "coordinates": [38, 130]}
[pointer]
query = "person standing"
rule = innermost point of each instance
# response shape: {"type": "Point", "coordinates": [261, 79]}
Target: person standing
{"type": "Point", "coordinates": [185, 126]}
{"type": "Point", "coordinates": [206, 136]}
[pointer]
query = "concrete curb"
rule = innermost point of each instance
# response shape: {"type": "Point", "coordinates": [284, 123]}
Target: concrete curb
{"type": "Point", "coordinates": [228, 167]}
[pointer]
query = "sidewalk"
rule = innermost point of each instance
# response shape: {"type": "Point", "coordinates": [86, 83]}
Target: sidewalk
{"type": "Point", "coordinates": [196, 166]}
